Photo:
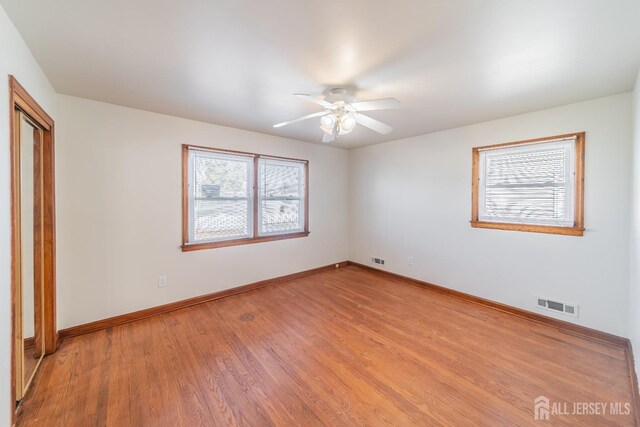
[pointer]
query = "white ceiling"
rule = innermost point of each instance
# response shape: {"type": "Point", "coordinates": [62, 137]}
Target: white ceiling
{"type": "Point", "coordinates": [237, 63]}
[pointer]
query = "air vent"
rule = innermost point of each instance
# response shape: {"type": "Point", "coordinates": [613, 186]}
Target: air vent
{"type": "Point", "coordinates": [558, 307]}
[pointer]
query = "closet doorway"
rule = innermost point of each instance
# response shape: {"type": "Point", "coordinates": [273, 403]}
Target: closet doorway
{"type": "Point", "coordinates": [32, 238]}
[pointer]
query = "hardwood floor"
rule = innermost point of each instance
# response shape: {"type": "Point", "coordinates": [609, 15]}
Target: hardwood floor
{"type": "Point", "coordinates": [345, 347]}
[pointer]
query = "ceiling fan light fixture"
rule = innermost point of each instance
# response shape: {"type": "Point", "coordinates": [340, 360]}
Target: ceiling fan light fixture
{"type": "Point", "coordinates": [328, 121]}
{"type": "Point", "coordinates": [347, 122]}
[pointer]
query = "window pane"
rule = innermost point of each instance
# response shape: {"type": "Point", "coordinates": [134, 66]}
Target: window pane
{"type": "Point", "coordinates": [220, 194]}
{"type": "Point", "coordinates": [220, 219]}
{"type": "Point", "coordinates": [281, 196]}
{"type": "Point", "coordinates": [528, 184]}
{"type": "Point", "coordinates": [221, 177]}
{"type": "Point", "coordinates": [280, 216]}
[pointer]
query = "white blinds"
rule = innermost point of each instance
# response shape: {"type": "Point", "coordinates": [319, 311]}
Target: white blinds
{"type": "Point", "coordinates": [531, 184]}
{"type": "Point", "coordinates": [220, 199]}
{"type": "Point", "coordinates": [281, 190]}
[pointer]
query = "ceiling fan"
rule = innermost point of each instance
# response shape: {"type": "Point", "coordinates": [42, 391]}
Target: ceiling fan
{"type": "Point", "coordinates": [340, 117]}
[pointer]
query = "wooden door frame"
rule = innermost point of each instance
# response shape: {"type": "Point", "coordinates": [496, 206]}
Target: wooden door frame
{"type": "Point", "coordinates": [21, 101]}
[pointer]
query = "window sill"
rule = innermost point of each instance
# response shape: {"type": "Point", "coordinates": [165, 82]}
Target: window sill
{"type": "Point", "coordinates": [211, 245]}
{"type": "Point", "coordinates": [548, 229]}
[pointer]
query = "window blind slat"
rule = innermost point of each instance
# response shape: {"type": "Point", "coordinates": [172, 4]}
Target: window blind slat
{"type": "Point", "coordinates": [528, 184]}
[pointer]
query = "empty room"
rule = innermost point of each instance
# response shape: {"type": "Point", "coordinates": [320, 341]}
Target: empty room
{"type": "Point", "coordinates": [319, 213]}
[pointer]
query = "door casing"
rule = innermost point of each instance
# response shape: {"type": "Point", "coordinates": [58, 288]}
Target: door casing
{"type": "Point", "coordinates": [20, 102]}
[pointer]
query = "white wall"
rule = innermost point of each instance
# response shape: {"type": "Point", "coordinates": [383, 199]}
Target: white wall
{"type": "Point", "coordinates": [412, 197]}
{"type": "Point", "coordinates": [16, 59]}
{"type": "Point", "coordinates": [634, 294]}
{"type": "Point", "coordinates": [119, 211]}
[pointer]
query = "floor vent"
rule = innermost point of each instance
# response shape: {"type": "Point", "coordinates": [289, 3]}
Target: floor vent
{"type": "Point", "coordinates": [558, 307]}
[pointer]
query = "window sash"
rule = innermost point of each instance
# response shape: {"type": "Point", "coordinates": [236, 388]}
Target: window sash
{"type": "Point", "coordinates": [192, 191]}
{"type": "Point", "coordinates": [300, 198]}
{"type": "Point", "coordinates": [567, 145]}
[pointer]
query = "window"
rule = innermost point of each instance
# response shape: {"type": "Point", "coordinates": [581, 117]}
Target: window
{"type": "Point", "coordinates": [280, 196]}
{"type": "Point", "coordinates": [534, 185]}
{"type": "Point", "coordinates": [232, 198]}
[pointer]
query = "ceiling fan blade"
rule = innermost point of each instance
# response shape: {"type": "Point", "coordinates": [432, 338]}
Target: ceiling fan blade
{"type": "Point", "coordinates": [299, 119]}
{"type": "Point", "coordinates": [376, 104]}
{"type": "Point", "coordinates": [315, 100]}
{"type": "Point", "coordinates": [373, 124]}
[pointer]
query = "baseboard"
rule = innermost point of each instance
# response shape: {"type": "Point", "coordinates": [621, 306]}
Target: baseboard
{"type": "Point", "coordinates": [166, 308]}
{"type": "Point", "coordinates": [535, 317]}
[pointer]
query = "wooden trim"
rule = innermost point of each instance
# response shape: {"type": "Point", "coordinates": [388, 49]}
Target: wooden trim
{"type": "Point", "coordinates": [256, 196]}
{"type": "Point", "coordinates": [579, 198]}
{"type": "Point", "coordinates": [475, 180]}
{"type": "Point", "coordinates": [29, 342]}
{"type": "Point", "coordinates": [185, 195]}
{"type": "Point", "coordinates": [26, 103]}
{"type": "Point", "coordinates": [187, 247]}
{"type": "Point", "coordinates": [244, 153]}
{"type": "Point", "coordinates": [166, 308]}
{"type": "Point", "coordinates": [16, 261]}
{"type": "Point", "coordinates": [576, 230]}
{"type": "Point", "coordinates": [238, 242]}
{"type": "Point", "coordinates": [548, 229]}
{"type": "Point", "coordinates": [529, 141]}
{"type": "Point", "coordinates": [21, 102]}
{"type": "Point", "coordinates": [38, 249]}
{"type": "Point", "coordinates": [49, 242]}
{"type": "Point", "coordinates": [634, 382]}
{"type": "Point", "coordinates": [534, 317]}
{"type": "Point", "coordinates": [306, 198]}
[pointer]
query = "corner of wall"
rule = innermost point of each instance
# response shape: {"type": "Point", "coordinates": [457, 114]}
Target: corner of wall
{"type": "Point", "coordinates": [634, 260]}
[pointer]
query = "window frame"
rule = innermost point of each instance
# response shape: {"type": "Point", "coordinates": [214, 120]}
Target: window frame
{"type": "Point", "coordinates": [577, 229]}
{"type": "Point", "coordinates": [254, 199]}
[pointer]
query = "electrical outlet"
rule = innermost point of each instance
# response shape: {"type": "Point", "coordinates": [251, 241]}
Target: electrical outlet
{"type": "Point", "coordinates": [410, 260]}
{"type": "Point", "coordinates": [162, 281]}
{"type": "Point", "coordinates": [379, 261]}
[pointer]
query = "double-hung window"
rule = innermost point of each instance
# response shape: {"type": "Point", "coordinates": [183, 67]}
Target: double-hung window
{"type": "Point", "coordinates": [232, 198]}
{"type": "Point", "coordinates": [532, 185]}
